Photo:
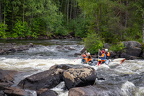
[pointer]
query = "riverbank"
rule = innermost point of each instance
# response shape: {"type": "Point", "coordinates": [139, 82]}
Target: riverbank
{"type": "Point", "coordinates": [43, 37]}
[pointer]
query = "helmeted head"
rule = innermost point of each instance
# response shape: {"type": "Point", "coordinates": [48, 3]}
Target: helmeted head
{"type": "Point", "coordinates": [103, 51]}
{"type": "Point", "coordinates": [88, 53]}
{"type": "Point", "coordinates": [106, 50]}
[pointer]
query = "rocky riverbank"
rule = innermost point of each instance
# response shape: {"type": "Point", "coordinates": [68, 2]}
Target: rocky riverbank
{"type": "Point", "coordinates": [7, 48]}
{"type": "Point", "coordinates": [132, 50]}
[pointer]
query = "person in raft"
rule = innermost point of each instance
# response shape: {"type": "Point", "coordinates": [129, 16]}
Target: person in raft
{"type": "Point", "coordinates": [86, 58]}
{"type": "Point", "coordinates": [103, 57]}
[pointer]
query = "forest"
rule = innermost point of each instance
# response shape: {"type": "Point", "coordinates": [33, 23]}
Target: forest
{"type": "Point", "coordinates": [107, 20]}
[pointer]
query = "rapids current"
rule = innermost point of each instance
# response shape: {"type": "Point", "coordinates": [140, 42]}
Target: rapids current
{"type": "Point", "coordinates": [51, 52]}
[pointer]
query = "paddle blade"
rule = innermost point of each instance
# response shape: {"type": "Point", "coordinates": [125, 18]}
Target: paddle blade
{"type": "Point", "coordinates": [122, 61]}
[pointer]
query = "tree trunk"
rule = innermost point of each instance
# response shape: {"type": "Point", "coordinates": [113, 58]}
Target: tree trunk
{"type": "Point", "coordinates": [67, 11]}
{"type": "Point", "coordinates": [0, 12]}
{"type": "Point", "coordinates": [23, 11]}
{"type": "Point", "coordinates": [143, 26]}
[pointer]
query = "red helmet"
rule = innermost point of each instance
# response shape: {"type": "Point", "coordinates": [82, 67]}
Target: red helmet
{"type": "Point", "coordinates": [103, 51]}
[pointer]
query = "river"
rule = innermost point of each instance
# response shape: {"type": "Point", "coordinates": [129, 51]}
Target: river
{"type": "Point", "coordinates": [51, 52]}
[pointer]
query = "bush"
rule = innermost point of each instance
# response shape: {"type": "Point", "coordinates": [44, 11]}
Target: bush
{"type": "Point", "coordinates": [21, 29]}
{"type": "Point", "coordinates": [3, 27]}
{"type": "Point", "coordinates": [93, 43]}
{"type": "Point", "coordinates": [117, 47]}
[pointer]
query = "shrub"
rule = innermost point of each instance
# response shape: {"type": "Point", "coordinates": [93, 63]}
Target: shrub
{"type": "Point", "coordinates": [93, 43]}
{"type": "Point", "coordinates": [3, 27]}
{"type": "Point", "coordinates": [117, 47]}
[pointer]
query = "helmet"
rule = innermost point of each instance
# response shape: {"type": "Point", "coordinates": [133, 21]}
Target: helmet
{"type": "Point", "coordinates": [106, 50]}
{"type": "Point", "coordinates": [88, 53]}
{"type": "Point", "coordinates": [103, 51]}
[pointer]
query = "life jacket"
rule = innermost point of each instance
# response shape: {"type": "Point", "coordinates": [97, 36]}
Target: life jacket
{"type": "Point", "coordinates": [103, 56]}
{"type": "Point", "coordinates": [108, 54]}
{"type": "Point", "coordinates": [101, 59]}
{"type": "Point", "coordinates": [88, 59]}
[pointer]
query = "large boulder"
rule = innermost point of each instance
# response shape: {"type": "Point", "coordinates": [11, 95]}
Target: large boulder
{"type": "Point", "coordinates": [132, 44]}
{"type": "Point", "coordinates": [80, 76]}
{"type": "Point", "coordinates": [95, 90]}
{"type": "Point", "coordinates": [46, 79]}
{"type": "Point", "coordinates": [64, 66]}
{"type": "Point", "coordinates": [132, 50]}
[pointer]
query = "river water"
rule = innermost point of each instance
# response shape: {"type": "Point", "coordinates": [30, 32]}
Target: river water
{"type": "Point", "coordinates": [52, 52]}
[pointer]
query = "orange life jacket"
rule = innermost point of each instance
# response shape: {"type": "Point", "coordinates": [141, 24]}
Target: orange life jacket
{"type": "Point", "coordinates": [87, 60]}
{"type": "Point", "coordinates": [107, 53]}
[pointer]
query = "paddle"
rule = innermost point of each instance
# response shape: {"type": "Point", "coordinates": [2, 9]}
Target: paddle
{"type": "Point", "coordinates": [122, 61]}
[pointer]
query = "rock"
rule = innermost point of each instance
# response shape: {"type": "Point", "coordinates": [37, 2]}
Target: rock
{"type": "Point", "coordinates": [83, 50]}
{"type": "Point", "coordinates": [7, 48]}
{"type": "Point", "coordinates": [13, 91]}
{"type": "Point", "coordinates": [127, 56]}
{"type": "Point", "coordinates": [132, 50]}
{"type": "Point", "coordinates": [96, 90]}
{"type": "Point", "coordinates": [143, 54]}
{"type": "Point", "coordinates": [80, 76]}
{"type": "Point", "coordinates": [2, 93]}
{"type": "Point", "coordinates": [132, 44]}
{"type": "Point", "coordinates": [46, 92]}
{"type": "Point", "coordinates": [6, 78]}
{"type": "Point", "coordinates": [64, 66]}
{"type": "Point", "coordinates": [3, 85]}
{"type": "Point", "coordinates": [46, 79]}
{"type": "Point", "coordinates": [107, 45]}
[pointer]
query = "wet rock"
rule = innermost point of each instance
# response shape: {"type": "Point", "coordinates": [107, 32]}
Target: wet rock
{"type": "Point", "coordinates": [83, 50]}
{"type": "Point", "coordinates": [13, 91]}
{"type": "Point", "coordinates": [7, 48]}
{"type": "Point", "coordinates": [64, 66]}
{"type": "Point", "coordinates": [137, 79]}
{"type": "Point", "coordinates": [46, 79]}
{"type": "Point", "coordinates": [111, 77]}
{"type": "Point", "coordinates": [6, 78]}
{"type": "Point", "coordinates": [132, 44]}
{"type": "Point", "coordinates": [132, 50]}
{"type": "Point", "coordinates": [143, 54]}
{"type": "Point", "coordinates": [127, 56]}
{"type": "Point", "coordinates": [80, 76]}
{"type": "Point", "coordinates": [96, 90]}
{"type": "Point", "coordinates": [46, 92]}
{"type": "Point", "coordinates": [113, 54]}
{"type": "Point", "coordinates": [77, 54]}
{"type": "Point", "coordinates": [2, 93]}
{"type": "Point", "coordinates": [69, 48]}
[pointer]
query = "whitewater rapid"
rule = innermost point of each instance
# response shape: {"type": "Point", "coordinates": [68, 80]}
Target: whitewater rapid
{"type": "Point", "coordinates": [41, 58]}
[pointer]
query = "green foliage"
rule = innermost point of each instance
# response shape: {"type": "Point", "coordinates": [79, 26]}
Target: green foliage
{"type": "Point", "coordinates": [112, 20]}
{"type": "Point", "coordinates": [3, 28]}
{"type": "Point", "coordinates": [117, 46]}
{"type": "Point", "coordinates": [21, 29]}
{"type": "Point", "coordinates": [92, 43]}
{"type": "Point", "coordinates": [78, 26]}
